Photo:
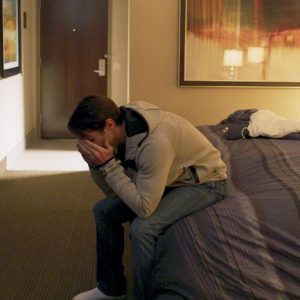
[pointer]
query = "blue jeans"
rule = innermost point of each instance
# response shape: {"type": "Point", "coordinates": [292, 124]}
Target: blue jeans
{"type": "Point", "coordinates": [111, 213]}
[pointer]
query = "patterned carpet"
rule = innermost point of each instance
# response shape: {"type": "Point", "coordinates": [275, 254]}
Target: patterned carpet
{"type": "Point", "coordinates": [47, 237]}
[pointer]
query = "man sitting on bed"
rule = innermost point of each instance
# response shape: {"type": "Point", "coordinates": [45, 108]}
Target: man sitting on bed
{"type": "Point", "coordinates": [155, 169]}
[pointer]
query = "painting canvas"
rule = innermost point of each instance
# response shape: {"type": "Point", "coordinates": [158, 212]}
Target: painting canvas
{"type": "Point", "coordinates": [10, 40]}
{"type": "Point", "coordinates": [239, 43]}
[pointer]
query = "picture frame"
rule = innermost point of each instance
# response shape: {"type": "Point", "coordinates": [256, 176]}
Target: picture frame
{"type": "Point", "coordinates": [239, 43]}
{"type": "Point", "coordinates": [10, 40]}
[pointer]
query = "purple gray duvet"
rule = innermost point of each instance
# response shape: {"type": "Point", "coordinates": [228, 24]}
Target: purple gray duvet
{"type": "Point", "coordinates": [246, 246]}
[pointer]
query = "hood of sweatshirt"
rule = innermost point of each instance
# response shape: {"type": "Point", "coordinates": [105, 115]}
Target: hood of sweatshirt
{"type": "Point", "coordinates": [150, 112]}
{"type": "Point", "coordinates": [152, 115]}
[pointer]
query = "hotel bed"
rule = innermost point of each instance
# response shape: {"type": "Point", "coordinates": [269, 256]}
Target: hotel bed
{"type": "Point", "coordinates": [246, 246]}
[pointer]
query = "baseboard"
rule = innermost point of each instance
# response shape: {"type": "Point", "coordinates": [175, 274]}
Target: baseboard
{"type": "Point", "coordinates": [21, 146]}
{"type": "Point", "coordinates": [31, 137]}
{"type": "Point", "coordinates": [2, 166]}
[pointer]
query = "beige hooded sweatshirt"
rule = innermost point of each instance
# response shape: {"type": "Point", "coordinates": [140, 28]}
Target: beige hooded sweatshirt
{"type": "Point", "coordinates": [162, 156]}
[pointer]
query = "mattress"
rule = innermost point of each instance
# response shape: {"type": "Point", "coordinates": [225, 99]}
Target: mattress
{"type": "Point", "coordinates": [246, 246]}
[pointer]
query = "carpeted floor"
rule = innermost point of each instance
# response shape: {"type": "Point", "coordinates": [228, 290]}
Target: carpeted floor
{"type": "Point", "coordinates": [47, 235]}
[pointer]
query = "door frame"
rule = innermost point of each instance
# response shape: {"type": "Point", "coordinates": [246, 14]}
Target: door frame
{"type": "Point", "coordinates": [117, 60]}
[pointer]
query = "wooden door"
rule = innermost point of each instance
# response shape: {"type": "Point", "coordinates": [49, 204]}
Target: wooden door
{"type": "Point", "coordinates": [73, 40]}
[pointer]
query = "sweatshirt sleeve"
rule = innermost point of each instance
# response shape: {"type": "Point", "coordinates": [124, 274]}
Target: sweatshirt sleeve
{"type": "Point", "coordinates": [154, 162]}
{"type": "Point", "coordinates": [99, 179]}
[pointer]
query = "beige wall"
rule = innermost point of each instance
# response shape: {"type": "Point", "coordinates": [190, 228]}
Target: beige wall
{"type": "Point", "coordinates": [30, 59]}
{"type": "Point", "coordinates": [118, 78]}
{"type": "Point", "coordinates": [153, 72]}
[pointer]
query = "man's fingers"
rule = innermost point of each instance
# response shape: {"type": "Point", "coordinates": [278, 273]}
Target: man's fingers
{"type": "Point", "coordinates": [94, 154]}
{"type": "Point", "coordinates": [91, 146]}
{"type": "Point", "coordinates": [83, 148]}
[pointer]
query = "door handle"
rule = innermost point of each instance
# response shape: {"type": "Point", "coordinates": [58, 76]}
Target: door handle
{"type": "Point", "coordinates": [101, 67]}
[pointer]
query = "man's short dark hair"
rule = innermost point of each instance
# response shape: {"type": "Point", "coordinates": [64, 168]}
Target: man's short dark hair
{"type": "Point", "coordinates": [92, 112]}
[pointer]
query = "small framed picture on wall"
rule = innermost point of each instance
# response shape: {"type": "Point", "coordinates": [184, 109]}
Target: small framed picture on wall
{"type": "Point", "coordinates": [10, 38]}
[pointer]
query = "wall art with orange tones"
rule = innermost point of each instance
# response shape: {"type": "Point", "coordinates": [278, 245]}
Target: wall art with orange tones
{"type": "Point", "coordinates": [239, 43]}
{"type": "Point", "coordinates": [10, 41]}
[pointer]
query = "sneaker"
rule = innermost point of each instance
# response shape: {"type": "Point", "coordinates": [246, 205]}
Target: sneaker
{"type": "Point", "coordinates": [96, 294]}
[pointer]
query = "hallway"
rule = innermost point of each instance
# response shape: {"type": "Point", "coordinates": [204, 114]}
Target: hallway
{"type": "Point", "coordinates": [48, 155]}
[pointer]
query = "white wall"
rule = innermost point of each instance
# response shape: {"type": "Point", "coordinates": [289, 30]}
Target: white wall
{"type": "Point", "coordinates": [18, 93]}
{"type": "Point", "coordinates": [11, 113]}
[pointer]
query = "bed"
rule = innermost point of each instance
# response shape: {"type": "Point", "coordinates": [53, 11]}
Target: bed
{"type": "Point", "coordinates": [246, 246]}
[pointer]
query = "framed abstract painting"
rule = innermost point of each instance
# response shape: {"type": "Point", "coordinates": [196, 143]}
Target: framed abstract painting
{"type": "Point", "coordinates": [239, 43]}
{"type": "Point", "coordinates": [10, 41]}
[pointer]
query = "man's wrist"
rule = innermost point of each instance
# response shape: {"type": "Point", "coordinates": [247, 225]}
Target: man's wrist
{"type": "Point", "coordinates": [103, 164]}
